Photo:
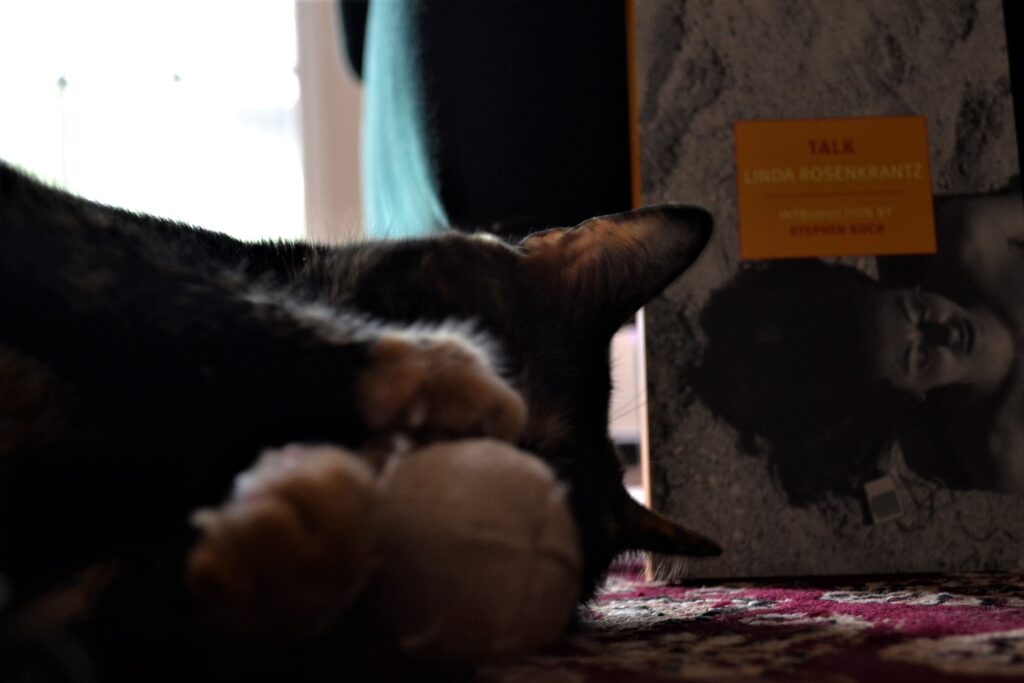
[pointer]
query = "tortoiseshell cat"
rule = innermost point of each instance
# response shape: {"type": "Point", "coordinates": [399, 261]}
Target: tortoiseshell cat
{"type": "Point", "coordinates": [144, 363]}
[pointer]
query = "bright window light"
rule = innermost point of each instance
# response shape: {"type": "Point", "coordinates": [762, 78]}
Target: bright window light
{"type": "Point", "coordinates": [185, 109]}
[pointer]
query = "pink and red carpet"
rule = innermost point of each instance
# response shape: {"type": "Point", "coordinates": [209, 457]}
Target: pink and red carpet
{"type": "Point", "coordinates": [905, 629]}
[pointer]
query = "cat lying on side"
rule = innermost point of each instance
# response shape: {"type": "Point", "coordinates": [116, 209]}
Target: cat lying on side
{"type": "Point", "coordinates": [144, 363]}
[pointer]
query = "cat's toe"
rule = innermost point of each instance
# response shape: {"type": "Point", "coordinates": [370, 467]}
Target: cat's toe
{"type": "Point", "coordinates": [438, 388]}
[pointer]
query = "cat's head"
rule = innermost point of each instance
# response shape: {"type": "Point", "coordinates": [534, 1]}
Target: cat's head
{"type": "Point", "coordinates": [553, 301]}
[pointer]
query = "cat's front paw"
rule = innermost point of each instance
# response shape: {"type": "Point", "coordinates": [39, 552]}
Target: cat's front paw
{"type": "Point", "coordinates": [288, 552]}
{"type": "Point", "coordinates": [437, 387]}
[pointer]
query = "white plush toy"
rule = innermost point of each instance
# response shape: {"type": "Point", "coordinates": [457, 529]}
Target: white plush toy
{"type": "Point", "coordinates": [463, 551]}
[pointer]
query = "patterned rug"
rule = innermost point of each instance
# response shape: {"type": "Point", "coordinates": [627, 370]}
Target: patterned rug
{"type": "Point", "coordinates": [906, 629]}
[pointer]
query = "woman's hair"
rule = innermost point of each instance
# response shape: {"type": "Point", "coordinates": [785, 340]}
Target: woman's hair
{"type": "Point", "coordinates": [787, 364]}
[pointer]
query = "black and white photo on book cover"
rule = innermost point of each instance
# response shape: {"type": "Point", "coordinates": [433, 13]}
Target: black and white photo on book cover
{"type": "Point", "coordinates": [862, 412]}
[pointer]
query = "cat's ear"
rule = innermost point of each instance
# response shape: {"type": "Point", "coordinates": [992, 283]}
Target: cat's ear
{"type": "Point", "coordinates": [608, 267]}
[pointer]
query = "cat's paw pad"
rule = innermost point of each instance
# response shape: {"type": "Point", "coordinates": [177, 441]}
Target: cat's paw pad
{"type": "Point", "coordinates": [439, 387]}
{"type": "Point", "coordinates": [287, 553]}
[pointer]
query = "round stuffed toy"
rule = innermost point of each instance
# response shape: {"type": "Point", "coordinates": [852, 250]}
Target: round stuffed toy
{"type": "Point", "coordinates": [479, 556]}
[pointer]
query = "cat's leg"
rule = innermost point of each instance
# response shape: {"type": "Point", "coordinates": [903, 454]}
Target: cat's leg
{"type": "Point", "coordinates": [436, 386]}
{"type": "Point", "coordinates": [131, 477]}
{"type": "Point", "coordinates": [286, 555]}
{"type": "Point", "coordinates": [160, 336]}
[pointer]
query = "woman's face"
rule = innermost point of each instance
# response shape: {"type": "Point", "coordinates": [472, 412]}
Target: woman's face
{"type": "Point", "coordinates": [920, 341]}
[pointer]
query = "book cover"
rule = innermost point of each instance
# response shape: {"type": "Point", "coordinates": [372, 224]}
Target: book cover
{"type": "Point", "coordinates": [837, 385]}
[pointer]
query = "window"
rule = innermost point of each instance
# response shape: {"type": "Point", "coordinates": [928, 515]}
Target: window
{"type": "Point", "coordinates": [187, 110]}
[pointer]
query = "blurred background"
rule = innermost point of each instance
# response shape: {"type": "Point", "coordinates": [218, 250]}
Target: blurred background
{"type": "Point", "coordinates": [213, 113]}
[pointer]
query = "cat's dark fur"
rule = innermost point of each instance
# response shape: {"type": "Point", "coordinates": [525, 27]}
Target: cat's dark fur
{"type": "Point", "coordinates": [144, 363]}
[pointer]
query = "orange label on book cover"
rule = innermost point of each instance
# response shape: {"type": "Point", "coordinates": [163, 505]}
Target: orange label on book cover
{"type": "Point", "coordinates": [834, 187]}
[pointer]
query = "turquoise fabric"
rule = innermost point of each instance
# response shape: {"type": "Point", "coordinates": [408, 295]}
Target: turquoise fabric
{"type": "Point", "coordinates": [395, 154]}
